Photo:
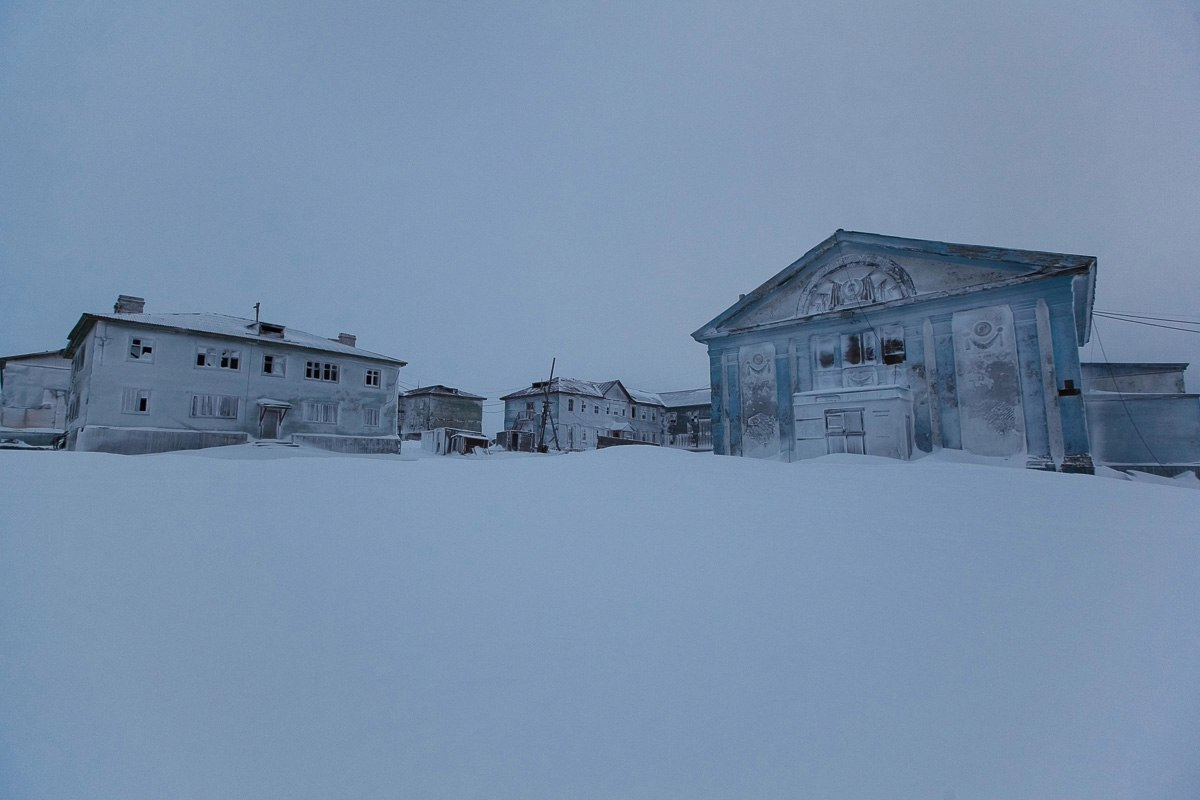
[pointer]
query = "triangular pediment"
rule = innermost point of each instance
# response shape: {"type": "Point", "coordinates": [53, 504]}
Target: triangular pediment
{"type": "Point", "coordinates": [855, 270]}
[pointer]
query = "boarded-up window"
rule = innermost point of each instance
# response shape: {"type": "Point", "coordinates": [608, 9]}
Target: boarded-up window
{"type": "Point", "coordinates": [371, 417]}
{"type": "Point", "coordinates": [325, 413]}
{"type": "Point", "coordinates": [135, 401]}
{"type": "Point", "coordinates": [215, 405]}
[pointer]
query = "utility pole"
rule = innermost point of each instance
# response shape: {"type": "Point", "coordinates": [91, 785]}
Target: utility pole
{"type": "Point", "coordinates": [541, 443]}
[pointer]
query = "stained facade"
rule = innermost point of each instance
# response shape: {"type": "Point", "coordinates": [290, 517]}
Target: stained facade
{"type": "Point", "coordinates": [883, 345]}
{"type": "Point", "coordinates": [431, 407]}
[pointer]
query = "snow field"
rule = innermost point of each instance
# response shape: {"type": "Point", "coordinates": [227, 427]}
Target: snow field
{"type": "Point", "coordinates": [633, 623]}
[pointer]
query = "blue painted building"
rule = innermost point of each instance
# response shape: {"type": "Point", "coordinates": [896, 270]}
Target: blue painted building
{"type": "Point", "coordinates": [883, 345]}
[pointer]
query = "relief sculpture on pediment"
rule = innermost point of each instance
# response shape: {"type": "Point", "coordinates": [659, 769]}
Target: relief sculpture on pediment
{"type": "Point", "coordinates": [855, 281]}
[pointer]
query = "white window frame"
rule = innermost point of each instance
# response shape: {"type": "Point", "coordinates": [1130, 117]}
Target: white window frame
{"type": "Point", "coordinates": [144, 348]}
{"type": "Point", "coordinates": [215, 406]}
{"type": "Point", "coordinates": [374, 377]}
{"type": "Point", "coordinates": [319, 412]}
{"type": "Point", "coordinates": [135, 401]}
{"type": "Point", "coordinates": [226, 358]}
{"type": "Point", "coordinates": [327, 371]}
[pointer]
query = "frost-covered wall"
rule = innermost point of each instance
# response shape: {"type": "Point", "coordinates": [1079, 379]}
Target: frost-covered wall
{"type": "Point", "coordinates": [984, 343]}
{"type": "Point", "coordinates": [1145, 431]}
{"type": "Point", "coordinates": [138, 388]}
{"type": "Point", "coordinates": [33, 395]}
{"type": "Point", "coordinates": [1141, 416]}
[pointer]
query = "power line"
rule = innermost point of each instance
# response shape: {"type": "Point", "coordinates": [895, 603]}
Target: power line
{"type": "Point", "coordinates": [1142, 322]}
{"type": "Point", "coordinates": [1147, 316]}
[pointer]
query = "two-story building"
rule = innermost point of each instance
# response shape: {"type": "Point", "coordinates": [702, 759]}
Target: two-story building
{"type": "Point", "coordinates": [144, 383]}
{"type": "Point", "coordinates": [580, 415]}
{"type": "Point", "coordinates": [885, 345]}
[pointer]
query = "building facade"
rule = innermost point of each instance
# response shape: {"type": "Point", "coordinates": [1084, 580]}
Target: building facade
{"type": "Point", "coordinates": [33, 397]}
{"type": "Point", "coordinates": [143, 383]}
{"type": "Point", "coordinates": [431, 407]}
{"type": "Point", "coordinates": [581, 415]}
{"type": "Point", "coordinates": [884, 345]}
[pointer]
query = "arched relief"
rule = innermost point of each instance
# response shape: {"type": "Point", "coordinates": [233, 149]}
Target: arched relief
{"type": "Point", "coordinates": [853, 281]}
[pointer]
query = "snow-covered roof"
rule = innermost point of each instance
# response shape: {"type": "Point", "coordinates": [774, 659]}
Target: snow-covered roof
{"type": "Point", "coordinates": [644, 398]}
{"type": "Point", "coordinates": [687, 397]}
{"type": "Point", "coordinates": [442, 390]}
{"type": "Point", "coordinates": [558, 385]}
{"type": "Point", "coordinates": [25, 356]}
{"type": "Point", "coordinates": [229, 327]}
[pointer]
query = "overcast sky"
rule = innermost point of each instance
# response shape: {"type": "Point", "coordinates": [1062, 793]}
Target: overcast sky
{"type": "Point", "coordinates": [477, 188]}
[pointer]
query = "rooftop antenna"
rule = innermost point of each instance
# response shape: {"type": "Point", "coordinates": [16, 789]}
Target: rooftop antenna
{"type": "Point", "coordinates": [256, 306]}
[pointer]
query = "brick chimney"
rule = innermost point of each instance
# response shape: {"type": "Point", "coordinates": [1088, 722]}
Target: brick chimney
{"type": "Point", "coordinates": [128, 304]}
{"type": "Point", "coordinates": [348, 339]}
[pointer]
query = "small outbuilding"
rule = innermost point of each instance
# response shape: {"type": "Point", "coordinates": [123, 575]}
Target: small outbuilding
{"type": "Point", "coordinates": [430, 407]}
{"type": "Point", "coordinates": [33, 397]}
{"type": "Point", "coordinates": [1141, 417]}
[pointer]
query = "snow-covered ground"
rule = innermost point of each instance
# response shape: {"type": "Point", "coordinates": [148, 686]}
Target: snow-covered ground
{"type": "Point", "coordinates": [631, 623]}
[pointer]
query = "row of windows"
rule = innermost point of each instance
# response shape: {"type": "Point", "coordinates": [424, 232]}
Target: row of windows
{"type": "Point", "coordinates": [223, 406]}
{"type": "Point", "coordinates": [633, 410]}
{"type": "Point", "coordinates": [864, 348]}
{"type": "Point", "coordinates": [142, 349]}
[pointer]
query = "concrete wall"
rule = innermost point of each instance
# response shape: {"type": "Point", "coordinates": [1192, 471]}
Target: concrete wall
{"type": "Point", "coordinates": [426, 412]}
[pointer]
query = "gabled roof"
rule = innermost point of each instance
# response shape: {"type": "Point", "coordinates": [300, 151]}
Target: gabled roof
{"type": "Point", "coordinates": [575, 386]}
{"type": "Point", "coordinates": [226, 327]}
{"type": "Point", "coordinates": [24, 356]}
{"type": "Point", "coordinates": [558, 386]}
{"type": "Point", "coordinates": [881, 269]}
{"type": "Point", "coordinates": [443, 391]}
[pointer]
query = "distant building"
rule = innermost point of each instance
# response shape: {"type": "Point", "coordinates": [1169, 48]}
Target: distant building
{"type": "Point", "coordinates": [884, 345]}
{"type": "Point", "coordinates": [582, 415]}
{"type": "Point", "coordinates": [33, 397]}
{"type": "Point", "coordinates": [1141, 417]}
{"type": "Point", "coordinates": [432, 407]}
{"type": "Point", "coordinates": [689, 418]}
{"type": "Point", "coordinates": [144, 383]}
